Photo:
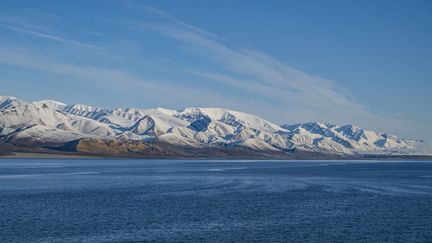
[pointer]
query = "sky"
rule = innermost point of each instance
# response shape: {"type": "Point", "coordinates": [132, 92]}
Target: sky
{"type": "Point", "coordinates": [367, 63]}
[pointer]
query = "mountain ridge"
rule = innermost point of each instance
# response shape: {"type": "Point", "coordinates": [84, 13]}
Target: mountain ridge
{"type": "Point", "coordinates": [53, 124]}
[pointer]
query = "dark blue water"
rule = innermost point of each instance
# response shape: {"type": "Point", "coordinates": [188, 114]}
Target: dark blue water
{"type": "Point", "coordinates": [210, 201]}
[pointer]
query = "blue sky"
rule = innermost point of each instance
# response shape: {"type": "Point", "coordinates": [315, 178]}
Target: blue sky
{"type": "Point", "coordinates": [363, 62]}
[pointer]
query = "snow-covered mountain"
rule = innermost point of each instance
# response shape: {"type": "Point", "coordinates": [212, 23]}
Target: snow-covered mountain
{"type": "Point", "coordinates": [52, 123]}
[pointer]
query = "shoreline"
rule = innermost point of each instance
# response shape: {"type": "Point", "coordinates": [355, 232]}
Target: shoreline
{"type": "Point", "coordinates": [37, 155]}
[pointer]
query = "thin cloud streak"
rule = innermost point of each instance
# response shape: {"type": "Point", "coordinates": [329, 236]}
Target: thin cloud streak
{"type": "Point", "coordinates": [121, 80]}
{"type": "Point", "coordinates": [50, 37]}
{"type": "Point", "coordinates": [167, 16]}
{"type": "Point", "coordinates": [260, 67]}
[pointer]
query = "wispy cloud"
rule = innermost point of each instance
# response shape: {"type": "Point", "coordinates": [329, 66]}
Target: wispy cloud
{"type": "Point", "coordinates": [118, 79]}
{"type": "Point", "coordinates": [49, 36]}
{"type": "Point", "coordinates": [167, 17]}
{"type": "Point", "coordinates": [258, 71]}
{"type": "Point", "coordinates": [27, 21]}
{"type": "Point", "coordinates": [261, 70]}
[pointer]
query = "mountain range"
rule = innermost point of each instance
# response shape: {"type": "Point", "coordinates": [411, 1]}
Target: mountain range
{"type": "Point", "coordinates": [54, 126]}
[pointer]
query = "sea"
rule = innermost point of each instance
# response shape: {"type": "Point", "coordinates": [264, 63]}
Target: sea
{"type": "Point", "coordinates": [125, 200]}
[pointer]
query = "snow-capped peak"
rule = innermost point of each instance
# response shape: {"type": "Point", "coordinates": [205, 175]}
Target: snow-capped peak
{"type": "Point", "coordinates": [10, 102]}
{"type": "Point", "coordinates": [56, 105]}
